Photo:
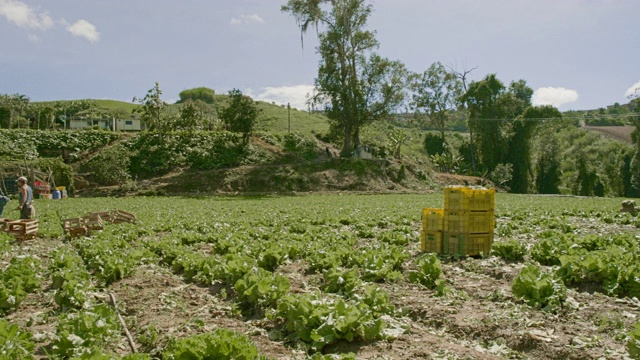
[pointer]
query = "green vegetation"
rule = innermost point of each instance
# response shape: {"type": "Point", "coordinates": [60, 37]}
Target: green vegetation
{"type": "Point", "coordinates": [540, 289]}
{"type": "Point", "coordinates": [316, 272]}
{"type": "Point", "coordinates": [222, 344]}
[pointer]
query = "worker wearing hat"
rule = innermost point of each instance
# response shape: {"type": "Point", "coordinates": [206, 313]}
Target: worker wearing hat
{"type": "Point", "coordinates": [25, 196]}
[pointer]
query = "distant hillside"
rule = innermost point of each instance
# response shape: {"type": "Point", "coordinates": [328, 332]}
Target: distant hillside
{"type": "Point", "coordinates": [274, 118]}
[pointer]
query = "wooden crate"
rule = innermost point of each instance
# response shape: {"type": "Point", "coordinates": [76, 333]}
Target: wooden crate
{"type": "Point", "coordinates": [68, 224]}
{"type": "Point", "coordinates": [106, 216]}
{"type": "Point", "coordinates": [93, 222]}
{"type": "Point", "coordinates": [120, 216]}
{"type": "Point", "coordinates": [79, 231]}
{"type": "Point", "coordinates": [22, 229]}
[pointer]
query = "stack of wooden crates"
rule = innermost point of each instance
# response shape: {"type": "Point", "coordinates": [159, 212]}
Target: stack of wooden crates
{"type": "Point", "coordinates": [464, 227]}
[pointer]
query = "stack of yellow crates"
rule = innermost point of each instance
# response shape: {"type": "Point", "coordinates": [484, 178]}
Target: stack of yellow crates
{"type": "Point", "coordinates": [464, 227]}
{"type": "Point", "coordinates": [432, 230]}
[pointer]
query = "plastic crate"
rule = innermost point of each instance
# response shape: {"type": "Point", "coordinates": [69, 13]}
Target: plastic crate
{"type": "Point", "coordinates": [456, 199]}
{"type": "Point", "coordinates": [469, 199]}
{"type": "Point", "coordinates": [431, 241]}
{"type": "Point", "coordinates": [432, 219]}
{"type": "Point", "coordinates": [482, 199]}
{"type": "Point", "coordinates": [469, 221]}
{"type": "Point", "coordinates": [467, 244]}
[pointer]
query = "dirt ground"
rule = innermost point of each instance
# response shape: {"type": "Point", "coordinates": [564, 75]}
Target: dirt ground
{"type": "Point", "coordinates": [478, 319]}
{"type": "Point", "coordinates": [621, 133]}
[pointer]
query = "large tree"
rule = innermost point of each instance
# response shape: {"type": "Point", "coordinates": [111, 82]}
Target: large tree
{"type": "Point", "coordinates": [152, 111]}
{"type": "Point", "coordinates": [523, 129]}
{"type": "Point", "coordinates": [482, 99]}
{"type": "Point", "coordinates": [355, 85]}
{"type": "Point", "coordinates": [435, 94]}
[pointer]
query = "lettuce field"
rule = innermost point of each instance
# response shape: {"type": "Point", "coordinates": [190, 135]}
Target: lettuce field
{"type": "Point", "coordinates": [321, 277]}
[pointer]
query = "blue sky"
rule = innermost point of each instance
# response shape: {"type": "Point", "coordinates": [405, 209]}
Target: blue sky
{"type": "Point", "coordinates": [576, 54]}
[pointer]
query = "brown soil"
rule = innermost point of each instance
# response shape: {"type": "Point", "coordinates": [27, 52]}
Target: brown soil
{"type": "Point", "coordinates": [620, 133]}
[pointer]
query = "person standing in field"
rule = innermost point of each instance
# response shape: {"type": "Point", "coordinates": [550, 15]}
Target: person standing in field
{"type": "Point", "coordinates": [3, 201]}
{"type": "Point", "coordinates": [25, 197]}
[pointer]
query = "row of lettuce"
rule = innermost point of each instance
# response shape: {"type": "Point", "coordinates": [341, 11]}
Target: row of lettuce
{"type": "Point", "coordinates": [247, 249]}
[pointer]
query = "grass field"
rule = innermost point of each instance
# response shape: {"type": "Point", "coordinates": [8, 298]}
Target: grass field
{"type": "Point", "coordinates": [318, 276]}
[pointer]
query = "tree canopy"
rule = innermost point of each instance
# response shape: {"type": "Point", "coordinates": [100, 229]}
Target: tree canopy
{"type": "Point", "coordinates": [355, 85]}
{"type": "Point", "coordinates": [200, 93]}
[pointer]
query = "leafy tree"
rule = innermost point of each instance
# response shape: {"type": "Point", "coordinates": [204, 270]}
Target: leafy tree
{"type": "Point", "coordinates": [355, 85]}
{"type": "Point", "coordinates": [195, 115]}
{"type": "Point", "coordinates": [635, 162]}
{"type": "Point", "coordinates": [522, 130]}
{"type": "Point", "coordinates": [152, 110]}
{"type": "Point", "coordinates": [240, 114]}
{"type": "Point", "coordinates": [435, 94]}
{"type": "Point", "coordinates": [482, 101]}
{"type": "Point", "coordinates": [200, 93]}
{"type": "Point", "coordinates": [501, 133]}
{"type": "Point", "coordinates": [12, 109]}
{"type": "Point", "coordinates": [397, 137]}
{"type": "Point", "coordinates": [588, 182]}
{"type": "Point", "coordinates": [548, 167]}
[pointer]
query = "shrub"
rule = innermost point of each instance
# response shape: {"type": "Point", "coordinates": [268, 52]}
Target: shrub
{"type": "Point", "coordinates": [110, 166]}
{"type": "Point", "coordinates": [433, 144]}
{"type": "Point", "coordinates": [301, 145]}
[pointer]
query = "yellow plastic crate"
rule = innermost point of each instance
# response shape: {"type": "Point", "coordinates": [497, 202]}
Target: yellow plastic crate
{"type": "Point", "coordinates": [467, 244]}
{"type": "Point", "coordinates": [482, 199]}
{"type": "Point", "coordinates": [431, 241]}
{"type": "Point", "coordinates": [469, 221]}
{"type": "Point", "coordinates": [456, 199]}
{"type": "Point", "coordinates": [432, 219]}
{"type": "Point", "coordinates": [468, 199]}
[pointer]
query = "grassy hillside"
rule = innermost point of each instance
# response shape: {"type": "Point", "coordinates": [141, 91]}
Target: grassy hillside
{"type": "Point", "coordinates": [273, 118]}
{"type": "Point", "coordinates": [121, 106]}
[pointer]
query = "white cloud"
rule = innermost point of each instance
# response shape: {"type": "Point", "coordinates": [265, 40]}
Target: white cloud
{"type": "Point", "coordinates": [246, 19]}
{"type": "Point", "coordinates": [555, 96]}
{"type": "Point", "coordinates": [24, 16]}
{"type": "Point", "coordinates": [633, 90]}
{"type": "Point", "coordinates": [85, 29]}
{"type": "Point", "coordinates": [295, 95]}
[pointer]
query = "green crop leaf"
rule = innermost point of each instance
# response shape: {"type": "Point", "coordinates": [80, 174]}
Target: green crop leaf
{"type": "Point", "coordinates": [538, 289]}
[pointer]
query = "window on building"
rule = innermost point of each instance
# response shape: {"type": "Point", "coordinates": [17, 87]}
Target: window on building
{"type": "Point", "coordinates": [128, 122]}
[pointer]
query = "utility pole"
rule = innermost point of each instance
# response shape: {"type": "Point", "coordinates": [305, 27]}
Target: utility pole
{"type": "Point", "coordinates": [289, 115]}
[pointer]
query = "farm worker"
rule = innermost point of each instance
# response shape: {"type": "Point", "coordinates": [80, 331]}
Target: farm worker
{"type": "Point", "coordinates": [3, 201]}
{"type": "Point", "coordinates": [25, 196]}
